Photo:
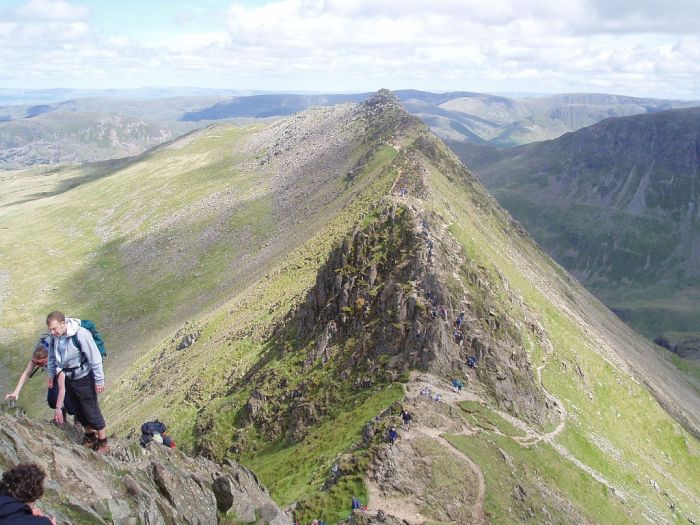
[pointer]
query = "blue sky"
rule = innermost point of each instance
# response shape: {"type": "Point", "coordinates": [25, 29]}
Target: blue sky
{"type": "Point", "coordinates": [634, 47]}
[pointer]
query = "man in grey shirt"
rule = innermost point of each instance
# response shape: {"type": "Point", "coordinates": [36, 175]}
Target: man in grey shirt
{"type": "Point", "coordinates": [82, 365]}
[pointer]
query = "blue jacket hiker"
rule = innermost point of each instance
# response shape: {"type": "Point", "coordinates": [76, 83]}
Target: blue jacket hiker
{"type": "Point", "coordinates": [81, 364]}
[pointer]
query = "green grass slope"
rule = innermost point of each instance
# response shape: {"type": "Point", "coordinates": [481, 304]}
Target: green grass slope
{"type": "Point", "coordinates": [614, 428]}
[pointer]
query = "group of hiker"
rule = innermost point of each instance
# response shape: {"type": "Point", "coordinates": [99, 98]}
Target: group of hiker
{"type": "Point", "coordinates": [69, 354]}
{"type": "Point", "coordinates": [439, 310]}
{"type": "Point", "coordinates": [392, 433]}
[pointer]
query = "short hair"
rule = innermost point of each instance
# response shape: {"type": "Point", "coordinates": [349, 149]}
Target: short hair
{"type": "Point", "coordinates": [55, 316]}
{"type": "Point", "coordinates": [25, 482]}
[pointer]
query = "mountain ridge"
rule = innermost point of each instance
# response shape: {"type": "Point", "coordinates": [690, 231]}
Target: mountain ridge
{"type": "Point", "coordinates": [306, 363]}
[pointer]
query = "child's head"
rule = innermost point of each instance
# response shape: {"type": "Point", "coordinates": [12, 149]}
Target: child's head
{"type": "Point", "coordinates": [25, 482]}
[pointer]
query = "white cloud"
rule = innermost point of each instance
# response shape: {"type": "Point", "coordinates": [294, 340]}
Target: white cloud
{"type": "Point", "coordinates": [352, 45]}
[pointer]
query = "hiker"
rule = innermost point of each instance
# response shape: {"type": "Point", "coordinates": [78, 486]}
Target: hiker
{"type": "Point", "coordinates": [20, 488]}
{"type": "Point", "coordinates": [443, 311]}
{"type": "Point", "coordinates": [406, 419]}
{"type": "Point", "coordinates": [155, 431]}
{"type": "Point", "coordinates": [55, 396]}
{"type": "Point", "coordinates": [438, 397]}
{"type": "Point", "coordinates": [73, 350]}
{"type": "Point", "coordinates": [457, 386]}
{"type": "Point", "coordinates": [356, 504]}
{"type": "Point", "coordinates": [471, 361]}
{"type": "Point", "coordinates": [393, 434]}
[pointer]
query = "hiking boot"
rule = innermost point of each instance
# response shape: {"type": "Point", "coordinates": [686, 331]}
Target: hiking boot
{"type": "Point", "coordinates": [101, 447]}
{"type": "Point", "coordinates": [89, 440]}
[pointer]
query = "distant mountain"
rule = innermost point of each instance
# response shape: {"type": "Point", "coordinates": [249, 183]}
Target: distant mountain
{"type": "Point", "coordinates": [69, 137]}
{"type": "Point", "coordinates": [166, 110]}
{"type": "Point", "coordinates": [457, 116]}
{"type": "Point", "coordinates": [475, 117]}
{"type": "Point", "coordinates": [261, 106]}
{"type": "Point", "coordinates": [464, 116]}
{"type": "Point", "coordinates": [617, 205]}
{"type": "Point", "coordinates": [15, 97]}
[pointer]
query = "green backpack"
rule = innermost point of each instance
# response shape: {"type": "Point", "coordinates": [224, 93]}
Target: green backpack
{"type": "Point", "coordinates": [96, 335]}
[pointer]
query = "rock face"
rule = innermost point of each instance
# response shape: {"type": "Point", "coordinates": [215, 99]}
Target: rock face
{"type": "Point", "coordinates": [385, 289]}
{"type": "Point", "coordinates": [132, 485]}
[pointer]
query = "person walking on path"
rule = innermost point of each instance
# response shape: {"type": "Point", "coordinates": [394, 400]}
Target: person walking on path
{"type": "Point", "coordinates": [393, 434]}
{"type": "Point", "coordinates": [82, 365]}
{"type": "Point", "coordinates": [406, 419]}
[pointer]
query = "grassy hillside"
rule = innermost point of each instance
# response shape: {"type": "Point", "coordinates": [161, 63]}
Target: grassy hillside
{"type": "Point", "coordinates": [299, 359]}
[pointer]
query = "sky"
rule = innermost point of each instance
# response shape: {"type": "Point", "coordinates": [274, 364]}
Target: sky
{"type": "Point", "coordinates": [629, 47]}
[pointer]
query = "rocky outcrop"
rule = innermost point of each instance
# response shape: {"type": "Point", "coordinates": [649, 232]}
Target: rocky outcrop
{"type": "Point", "coordinates": [131, 485]}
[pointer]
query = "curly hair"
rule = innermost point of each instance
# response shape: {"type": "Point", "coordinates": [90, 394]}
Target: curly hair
{"type": "Point", "coordinates": [25, 482]}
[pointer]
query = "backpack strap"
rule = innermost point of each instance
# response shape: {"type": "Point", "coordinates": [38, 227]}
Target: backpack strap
{"type": "Point", "coordinates": [83, 360]}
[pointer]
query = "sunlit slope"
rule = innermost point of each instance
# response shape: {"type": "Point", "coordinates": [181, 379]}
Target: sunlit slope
{"type": "Point", "coordinates": [149, 243]}
{"type": "Point", "coordinates": [579, 420]}
{"type": "Point", "coordinates": [620, 456]}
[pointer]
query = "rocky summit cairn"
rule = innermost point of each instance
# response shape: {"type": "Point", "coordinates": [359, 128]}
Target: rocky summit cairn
{"type": "Point", "coordinates": [153, 485]}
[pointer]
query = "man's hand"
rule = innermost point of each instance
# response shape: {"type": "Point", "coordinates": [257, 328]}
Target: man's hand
{"type": "Point", "coordinates": [50, 381]}
{"type": "Point", "coordinates": [11, 395]}
{"type": "Point", "coordinates": [99, 388]}
{"type": "Point", "coordinates": [58, 416]}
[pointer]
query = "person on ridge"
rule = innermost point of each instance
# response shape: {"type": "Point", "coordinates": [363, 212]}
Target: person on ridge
{"type": "Point", "coordinates": [393, 434]}
{"type": "Point", "coordinates": [82, 366]}
{"type": "Point", "coordinates": [20, 488]}
{"type": "Point", "coordinates": [39, 361]}
{"type": "Point", "coordinates": [406, 419]}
